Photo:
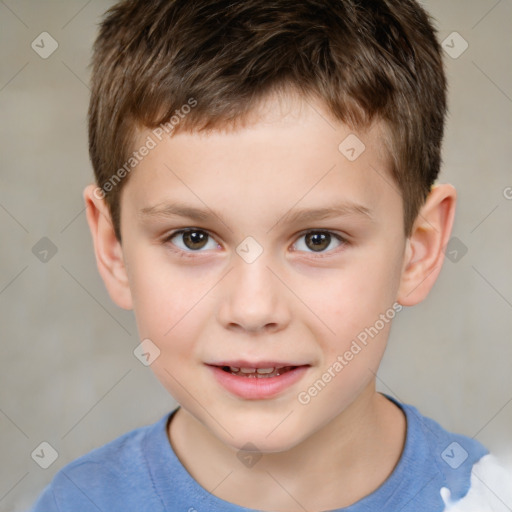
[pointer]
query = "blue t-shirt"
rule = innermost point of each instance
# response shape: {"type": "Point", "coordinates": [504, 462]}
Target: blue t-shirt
{"type": "Point", "coordinates": [140, 472]}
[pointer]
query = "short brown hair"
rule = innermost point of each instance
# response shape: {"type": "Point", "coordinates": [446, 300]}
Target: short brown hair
{"type": "Point", "coordinates": [365, 60]}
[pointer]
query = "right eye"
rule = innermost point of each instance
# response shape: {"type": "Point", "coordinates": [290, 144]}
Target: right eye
{"type": "Point", "coordinates": [192, 240]}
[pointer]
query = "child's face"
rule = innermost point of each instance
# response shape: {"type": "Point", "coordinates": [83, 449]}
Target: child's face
{"type": "Point", "coordinates": [211, 298]}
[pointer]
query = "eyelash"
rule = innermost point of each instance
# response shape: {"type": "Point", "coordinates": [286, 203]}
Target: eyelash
{"type": "Point", "coordinates": [191, 254]}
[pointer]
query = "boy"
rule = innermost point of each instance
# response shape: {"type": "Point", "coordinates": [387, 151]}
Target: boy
{"type": "Point", "coordinates": [265, 203]}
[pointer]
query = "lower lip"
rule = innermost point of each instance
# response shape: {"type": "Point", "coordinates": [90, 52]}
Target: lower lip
{"type": "Point", "coordinates": [257, 388]}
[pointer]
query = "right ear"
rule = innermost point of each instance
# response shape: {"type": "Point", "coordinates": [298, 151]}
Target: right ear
{"type": "Point", "coordinates": [107, 249]}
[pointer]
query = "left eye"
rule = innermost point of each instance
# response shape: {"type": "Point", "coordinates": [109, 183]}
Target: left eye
{"type": "Point", "coordinates": [317, 241]}
{"type": "Point", "coordinates": [196, 239]}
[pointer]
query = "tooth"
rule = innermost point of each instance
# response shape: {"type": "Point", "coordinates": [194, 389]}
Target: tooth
{"type": "Point", "coordinates": [248, 370]}
{"type": "Point", "coordinates": [265, 370]}
{"type": "Point", "coordinates": [234, 369]}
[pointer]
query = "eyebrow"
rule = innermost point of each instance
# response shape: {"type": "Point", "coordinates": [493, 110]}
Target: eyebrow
{"type": "Point", "coordinates": [176, 209]}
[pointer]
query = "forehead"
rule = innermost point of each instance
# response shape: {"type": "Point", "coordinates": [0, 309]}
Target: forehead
{"type": "Point", "coordinates": [290, 152]}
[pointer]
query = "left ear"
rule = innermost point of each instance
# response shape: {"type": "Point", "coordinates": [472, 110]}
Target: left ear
{"type": "Point", "coordinates": [426, 245]}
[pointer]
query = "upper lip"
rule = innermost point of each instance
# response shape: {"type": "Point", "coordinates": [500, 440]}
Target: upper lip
{"type": "Point", "coordinates": [259, 364]}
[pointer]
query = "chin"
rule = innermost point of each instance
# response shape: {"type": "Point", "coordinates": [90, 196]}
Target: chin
{"type": "Point", "coordinates": [254, 437]}
{"type": "Point", "coordinates": [262, 445]}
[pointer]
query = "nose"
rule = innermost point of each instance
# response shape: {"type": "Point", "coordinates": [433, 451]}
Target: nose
{"type": "Point", "coordinates": [253, 298]}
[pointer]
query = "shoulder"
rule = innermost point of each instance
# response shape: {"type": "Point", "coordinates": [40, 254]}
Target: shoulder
{"type": "Point", "coordinates": [106, 477]}
{"type": "Point", "coordinates": [490, 489]}
{"type": "Point", "coordinates": [464, 467]}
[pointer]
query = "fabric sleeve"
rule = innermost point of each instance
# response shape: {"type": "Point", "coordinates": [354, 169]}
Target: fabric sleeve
{"type": "Point", "coordinates": [490, 489]}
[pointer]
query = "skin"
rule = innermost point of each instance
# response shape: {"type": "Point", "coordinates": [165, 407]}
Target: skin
{"type": "Point", "coordinates": [290, 304]}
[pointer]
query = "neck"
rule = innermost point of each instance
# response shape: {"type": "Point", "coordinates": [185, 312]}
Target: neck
{"type": "Point", "coordinates": [335, 467]}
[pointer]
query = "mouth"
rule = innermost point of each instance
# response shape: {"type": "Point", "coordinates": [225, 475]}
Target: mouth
{"type": "Point", "coordinates": [256, 381]}
{"type": "Point", "coordinates": [258, 373]}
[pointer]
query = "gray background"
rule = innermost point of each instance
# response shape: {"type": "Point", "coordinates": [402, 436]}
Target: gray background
{"type": "Point", "coordinates": [68, 373]}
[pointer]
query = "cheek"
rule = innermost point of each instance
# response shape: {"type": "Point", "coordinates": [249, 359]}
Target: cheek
{"type": "Point", "coordinates": [167, 298]}
{"type": "Point", "coordinates": [170, 310]}
{"type": "Point", "coordinates": [351, 298]}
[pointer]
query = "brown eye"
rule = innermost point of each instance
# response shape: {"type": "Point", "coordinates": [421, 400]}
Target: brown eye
{"type": "Point", "coordinates": [195, 239]}
{"type": "Point", "coordinates": [319, 241]}
{"type": "Point", "coordinates": [192, 240]}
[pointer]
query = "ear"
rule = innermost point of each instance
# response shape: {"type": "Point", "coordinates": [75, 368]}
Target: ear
{"type": "Point", "coordinates": [108, 250]}
{"type": "Point", "coordinates": [424, 253]}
